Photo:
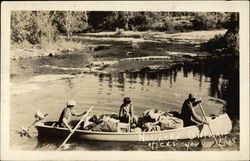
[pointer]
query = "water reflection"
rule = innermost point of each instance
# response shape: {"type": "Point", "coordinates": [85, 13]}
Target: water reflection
{"type": "Point", "coordinates": [164, 89]}
{"type": "Point", "coordinates": [224, 82]}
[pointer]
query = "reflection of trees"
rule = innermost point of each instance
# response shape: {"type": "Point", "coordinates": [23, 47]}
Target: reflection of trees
{"type": "Point", "coordinates": [121, 81]}
{"type": "Point", "coordinates": [224, 80]}
{"type": "Point", "coordinates": [110, 81]}
{"type": "Point", "coordinates": [214, 90]}
{"type": "Point", "coordinates": [187, 69]}
{"type": "Point", "coordinates": [101, 77]}
{"type": "Point", "coordinates": [142, 76]}
{"type": "Point", "coordinates": [223, 75]}
{"type": "Point", "coordinates": [70, 83]}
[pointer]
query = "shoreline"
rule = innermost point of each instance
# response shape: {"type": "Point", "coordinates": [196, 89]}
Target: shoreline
{"type": "Point", "coordinates": [106, 53]}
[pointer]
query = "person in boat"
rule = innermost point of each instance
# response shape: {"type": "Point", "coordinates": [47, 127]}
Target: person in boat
{"type": "Point", "coordinates": [65, 117]}
{"type": "Point", "coordinates": [126, 112]}
{"type": "Point", "coordinates": [188, 112]}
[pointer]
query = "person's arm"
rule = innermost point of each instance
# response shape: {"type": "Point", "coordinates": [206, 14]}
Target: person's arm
{"type": "Point", "coordinates": [132, 111]}
{"type": "Point", "coordinates": [77, 114]}
{"type": "Point", "coordinates": [196, 117]}
{"type": "Point", "coordinates": [155, 123]}
{"type": "Point", "coordinates": [196, 102]}
{"type": "Point", "coordinates": [65, 121]}
{"type": "Point", "coordinates": [120, 111]}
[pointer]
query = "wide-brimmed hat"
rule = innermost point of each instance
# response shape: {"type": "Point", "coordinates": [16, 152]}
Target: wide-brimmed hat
{"type": "Point", "coordinates": [71, 103]}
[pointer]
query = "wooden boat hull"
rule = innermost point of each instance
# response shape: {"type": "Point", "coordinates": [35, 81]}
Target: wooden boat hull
{"type": "Point", "coordinates": [221, 125]}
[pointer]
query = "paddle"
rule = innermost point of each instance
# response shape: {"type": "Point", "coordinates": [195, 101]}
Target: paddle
{"type": "Point", "coordinates": [208, 123]}
{"type": "Point", "coordinates": [84, 116]}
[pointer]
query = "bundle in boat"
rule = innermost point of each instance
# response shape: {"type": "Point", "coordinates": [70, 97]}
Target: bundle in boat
{"type": "Point", "coordinates": [156, 120]}
{"type": "Point", "coordinates": [105, 123]}
{"type": "Point", "coordinates": [152, 120]}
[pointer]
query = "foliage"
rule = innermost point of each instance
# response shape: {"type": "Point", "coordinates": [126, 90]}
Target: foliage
{"type": "Point", "coordinates": [70, 22]}
{"type": "Point", "coordinates": [32, 26]}
{"type": "Point", "coordinates": [43, 27]}
{"type": "Point", "coordinates": [23, 27]}
{"type": "Point", "coordinates": [119, 32]}
{"type": "Point", "coordinates": [228, 43]}
{"type": "Point", "coordinates": [216, 44]}
{"type": "Point", "coordinates": [204, 21]}
{"type": "Point", "coordinates": [103, 20]}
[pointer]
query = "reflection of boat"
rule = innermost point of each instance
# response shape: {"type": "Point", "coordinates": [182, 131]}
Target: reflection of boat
{"type": "Point", "coordinates": [220, 125]}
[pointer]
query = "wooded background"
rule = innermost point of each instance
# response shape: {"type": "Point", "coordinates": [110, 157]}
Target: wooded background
{"type": "Point", "coordinates": [36, 27]}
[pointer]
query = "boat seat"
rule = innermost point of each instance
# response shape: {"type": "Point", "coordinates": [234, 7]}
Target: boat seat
{"type": "Point", "coordinates": [122, 127]}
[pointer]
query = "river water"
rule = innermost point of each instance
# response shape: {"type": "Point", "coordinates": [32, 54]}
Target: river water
{"type": "Point", "coordinates": [34, 88]}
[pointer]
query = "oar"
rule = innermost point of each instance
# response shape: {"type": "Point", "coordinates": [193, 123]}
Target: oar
{"type": "Point", "coordinates": [76, 127]}
{"type": "Point", "coordinates": [208, 123]}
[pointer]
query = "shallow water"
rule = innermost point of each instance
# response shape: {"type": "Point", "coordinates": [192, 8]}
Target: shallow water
{"type": "Point", "coordinates": [165, 90]}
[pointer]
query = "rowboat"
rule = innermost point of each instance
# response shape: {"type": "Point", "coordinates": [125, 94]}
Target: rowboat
{"type": "Point", "coordinates": [220, 125]}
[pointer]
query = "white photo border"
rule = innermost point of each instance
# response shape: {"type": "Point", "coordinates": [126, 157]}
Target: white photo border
{"type": "Point", "coordinates": [189, 6]}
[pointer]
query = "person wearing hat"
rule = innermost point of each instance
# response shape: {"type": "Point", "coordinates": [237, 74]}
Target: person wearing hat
{"type": "Point", "coordinates": [188, 113]}
{"type": "Point", "coordinates": [65, 117]}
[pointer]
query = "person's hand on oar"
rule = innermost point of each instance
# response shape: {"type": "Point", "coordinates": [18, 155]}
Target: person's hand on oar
{"type": "Point", "coordinates": [72, 132]}
{"type": "Point", "coordinates": [206, 121]}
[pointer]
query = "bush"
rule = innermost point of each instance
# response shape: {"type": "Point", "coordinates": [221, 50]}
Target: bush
{"type": "Point", "coordinates": [119, 32]}
{"type": "Point", "coordinates": [232, 43]}
{"type": "Point", "coordinates": [215, 44]}
{"type": "Point", "coordinates": [203, 22]}
{"type": "Point", "coordinates": [229, 43]}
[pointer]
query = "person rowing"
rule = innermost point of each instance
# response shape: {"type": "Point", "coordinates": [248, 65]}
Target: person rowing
{"type": "Point", "coordinates": [188, 111]}
{"type": "Point", "coordinates": [65, 117]}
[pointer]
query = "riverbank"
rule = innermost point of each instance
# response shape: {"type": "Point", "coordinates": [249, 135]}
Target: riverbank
{"type": "Point", "coordinates": [99, 49]}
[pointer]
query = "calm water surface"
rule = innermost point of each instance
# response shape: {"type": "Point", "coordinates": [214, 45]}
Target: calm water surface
{"type": "Point", "coordinates": [165, 90]}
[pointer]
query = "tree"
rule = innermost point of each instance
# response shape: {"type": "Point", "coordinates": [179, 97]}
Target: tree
{"type": "Point", "coordinates": [204, 21]}
{"type": "Point", "coordinates": [99, 20]}
{"type": "Point", "coordinates": [228, 43]}
{"type": "Point", "coordinates": [24, 27]}
{"type": "Point", "coordinates": [47, 30]}
{"type": "Point", "coordinates": [232, 34]}
{"type": "Point", "coordinates": [71, 22]}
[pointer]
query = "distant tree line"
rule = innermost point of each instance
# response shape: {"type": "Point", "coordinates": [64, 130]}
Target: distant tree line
{"type": "Point", "coordinates": [36, 27]}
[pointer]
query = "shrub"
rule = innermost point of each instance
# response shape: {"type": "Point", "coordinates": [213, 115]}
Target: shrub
{"type": "Point", "coordinates": [119, 32]}
{"type": "Point", "coordinates": [229, 43]}
{"type": "Point", "coordinates": [232, 43]}
{"type": "Point", "coordinates": [203, 22]}
{"type": "Point", "coordinates": [215, 44]}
